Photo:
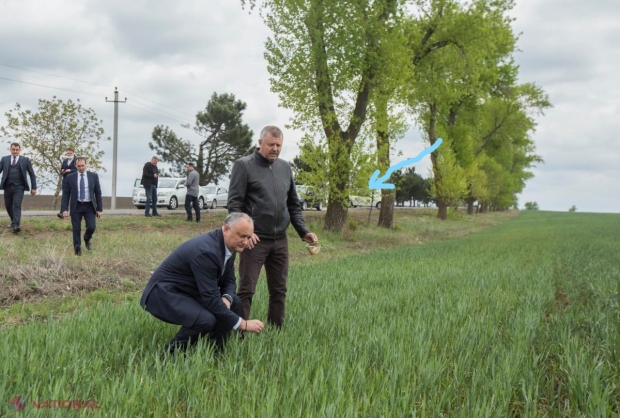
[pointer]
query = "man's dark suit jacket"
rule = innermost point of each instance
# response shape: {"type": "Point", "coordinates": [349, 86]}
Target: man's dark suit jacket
{"type": "Point", "coordinates": [193, 270]}
{"type": "Point", "coordinates": [67, 166]}
{"type": "Point", "coordinates": [25, 167]}
{"type": "Point", "coordinates": [70, 189]}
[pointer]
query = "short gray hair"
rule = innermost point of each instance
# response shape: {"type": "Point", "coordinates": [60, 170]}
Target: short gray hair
{"type": "Point", "coordinates": [81, 159]}
{"type": "Point", "coordinates": [232, 219]}
{"type": "Point", "coordinates": [271, 130]}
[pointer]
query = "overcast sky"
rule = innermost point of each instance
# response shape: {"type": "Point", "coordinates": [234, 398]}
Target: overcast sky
{"type": "Point", "coordinates": [176, 54]}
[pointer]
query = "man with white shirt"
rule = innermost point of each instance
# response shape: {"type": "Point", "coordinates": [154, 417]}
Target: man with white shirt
{"type": "Point", "coordinates": [67, 167]}
{"type": "Point", "coordinates": [195, 286]}
{"type": "Point", "coordinates": [83, 192]}
{"type": "Point", "coordinates": [14, 169]}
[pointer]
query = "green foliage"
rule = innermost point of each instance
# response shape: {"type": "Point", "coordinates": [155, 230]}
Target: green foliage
{"type": "Point", "coordinates": [573, 209]}
{"type": "Point", "coordinates": [325, 58]}
{"type": "Point", "coordinates": [450, 183]}
{"type": "Point", "coordinates": [46, 134]}
{"type": "Point", "coordinates": [531, 206]}
{"type": "Point", "coordinates": [226, 138]}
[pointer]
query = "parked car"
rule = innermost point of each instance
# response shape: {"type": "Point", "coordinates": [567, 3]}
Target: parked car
{"type": "Point", "coordinates": [170, 193]}
{"type": "Point", "coordinates": [309, 198]}
{"type": "Point", "coordinates": [357, 201]}
{"type": "Point", "coordinates": [215, 196]}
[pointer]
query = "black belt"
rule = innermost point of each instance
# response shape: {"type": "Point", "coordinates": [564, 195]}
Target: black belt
{"type": "Point", "coordinates": [84, 203]}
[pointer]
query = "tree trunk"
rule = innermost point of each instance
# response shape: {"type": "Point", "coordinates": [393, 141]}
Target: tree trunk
{"type": "Point", "coordinates": [470, 205]}
{"type": "Point", "coordinates": [386, 212]}
{"type": "Point", "coordinates": [335, 217]}
{"type": "Point", "coordinates": [57, 192]}
{"type": "Point", "coordinates": [339, 170]}
{"type": "Point", "coordinates": [442, 211]}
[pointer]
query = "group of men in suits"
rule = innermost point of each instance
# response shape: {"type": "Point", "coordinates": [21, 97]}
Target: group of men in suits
{"type": "Point", "coordinates": [81, 192]}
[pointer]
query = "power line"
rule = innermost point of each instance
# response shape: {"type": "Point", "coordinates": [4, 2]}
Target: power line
{"type": "Point", "coordinates": [180, 111]}
{"type": "Point", "coordinates": [151, 107]}
{"type": "Point", "coordinates": [52, 75]}
{"type": "Point", "coordinates": [96, 84]}
{"type": "Point", "coordinates": [52, 87]}
{"type": "Point", "coordinates": [158, 114]}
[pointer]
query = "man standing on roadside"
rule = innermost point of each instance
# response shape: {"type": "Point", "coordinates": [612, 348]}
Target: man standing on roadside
{"type": "Point", "coordinates": [67, 167]}
{"type": "Point", "coordinates": [262, 186]}
{"type": "Point", "coordinates": [195, 286]}
{"type": "Point", "coordinates": [81, 193]}
{"type": "Point", "coordinates": [14, 182]}
{"type": "Point", "coordinates": [150, 174]}
{"type": "Point", "coordinates": [193, 191]}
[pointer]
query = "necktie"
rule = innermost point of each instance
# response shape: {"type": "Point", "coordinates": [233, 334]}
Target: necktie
{"type": "Point", "coordinates": [82, 188]}
{"type": "Point", "coordinates": [13, 165]}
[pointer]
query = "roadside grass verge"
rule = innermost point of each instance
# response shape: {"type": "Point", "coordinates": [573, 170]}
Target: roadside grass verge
{"type": "Point", "coordinates": [39, 272]}
{"type": "Point", "coordinates": [518, 320]}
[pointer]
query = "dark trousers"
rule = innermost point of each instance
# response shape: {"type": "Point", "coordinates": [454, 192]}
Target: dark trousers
{"type": "Point", "coordinates": [205, 325]}
{"type": "Point", "coordinates": [189, 202]}
{"type": "Point", "coordinates": [13, 197]}
{"type": "Point", "coordinates": [64, 180]}
{"type": "Point", "coordinates": [86, 211]}
{"type": "Point", "coordinates": [274, 255]}
{"type": "Point", "coordinates": [151, 199]}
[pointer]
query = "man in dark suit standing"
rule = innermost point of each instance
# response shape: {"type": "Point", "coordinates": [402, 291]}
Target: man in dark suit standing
{"type": "Point", "coordinates": [195, 286]}
{"type": "Point", "coordinates": [150, 173]}
{"type": "Point", "coordinates": [14, 182]}
{"type": "Point", "coordinates": [67, 167]}
{"type": "Point", "coordinates": [82, 191]}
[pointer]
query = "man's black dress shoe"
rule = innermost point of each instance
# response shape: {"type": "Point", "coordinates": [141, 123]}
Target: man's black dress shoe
{"type": "Point", "coordinates": [87, 245]}
{"type": "Point", "coordinates": [78, 250]}
{"type": "Point", "coordinates": [16, 229]}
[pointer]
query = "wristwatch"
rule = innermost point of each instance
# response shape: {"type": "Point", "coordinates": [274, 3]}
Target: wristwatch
{"type": "Point", "coordinates": [227, 296]}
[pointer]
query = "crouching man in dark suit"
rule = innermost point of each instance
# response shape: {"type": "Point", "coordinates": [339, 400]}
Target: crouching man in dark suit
{"type": "Point", "coordinates": [195, 286]}
{"type": "Point", "coordinates": [82, 191]}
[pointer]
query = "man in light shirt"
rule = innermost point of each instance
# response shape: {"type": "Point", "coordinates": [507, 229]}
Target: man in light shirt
{"type": "Point", "coordinates": [193, 191]}
{"type": "Point", "coordinates": [81, 193]}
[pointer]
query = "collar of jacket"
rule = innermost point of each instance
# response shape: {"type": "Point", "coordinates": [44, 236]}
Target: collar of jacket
{"type": "Point", "coordinates": [262, 159]}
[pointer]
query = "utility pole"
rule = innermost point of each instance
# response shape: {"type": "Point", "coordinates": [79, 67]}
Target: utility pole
{"type": "Point", "coordinates": [115, 152]}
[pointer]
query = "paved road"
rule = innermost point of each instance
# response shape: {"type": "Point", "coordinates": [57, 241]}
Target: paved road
{"type": "Point", "coordinates": [108, 212]}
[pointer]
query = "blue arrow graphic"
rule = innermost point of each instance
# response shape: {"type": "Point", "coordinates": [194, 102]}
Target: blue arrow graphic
{"type": "Point", "coordinates": [378, 183]}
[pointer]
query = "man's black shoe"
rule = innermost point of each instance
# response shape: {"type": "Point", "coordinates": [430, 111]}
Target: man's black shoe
{"type": "Point", "coordinates": [148, 215]}
{"type": "Point", "coordinates": [16, 229]}
{"type": "Point", "coordinates": [60, 215]}
{"type": "Point", "coordinates": [87, 245]}
{"type": "Point", "coordinates": [10, 226]}
{"type": "Point", "coordinates": [78, 250]}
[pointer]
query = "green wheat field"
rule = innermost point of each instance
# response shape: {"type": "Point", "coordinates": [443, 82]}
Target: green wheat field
{"type": "Point", "coordinates": [519, 320]}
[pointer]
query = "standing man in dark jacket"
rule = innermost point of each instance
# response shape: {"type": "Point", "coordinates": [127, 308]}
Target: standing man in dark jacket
{"type": "Point", "coordinates": [67, 167]}
{"type": "Point", "coordinates": [14, 182]}
{"type": "Point", "coordinates": [262, 186]}
{"type": "Point", "coordinates": [150, 174]}
{"type": "Point", "coordinates": [195, 286]}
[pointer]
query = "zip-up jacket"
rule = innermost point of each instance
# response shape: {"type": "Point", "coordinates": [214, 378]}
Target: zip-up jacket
{"type": "Point", "coordinates": [266, 192]}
